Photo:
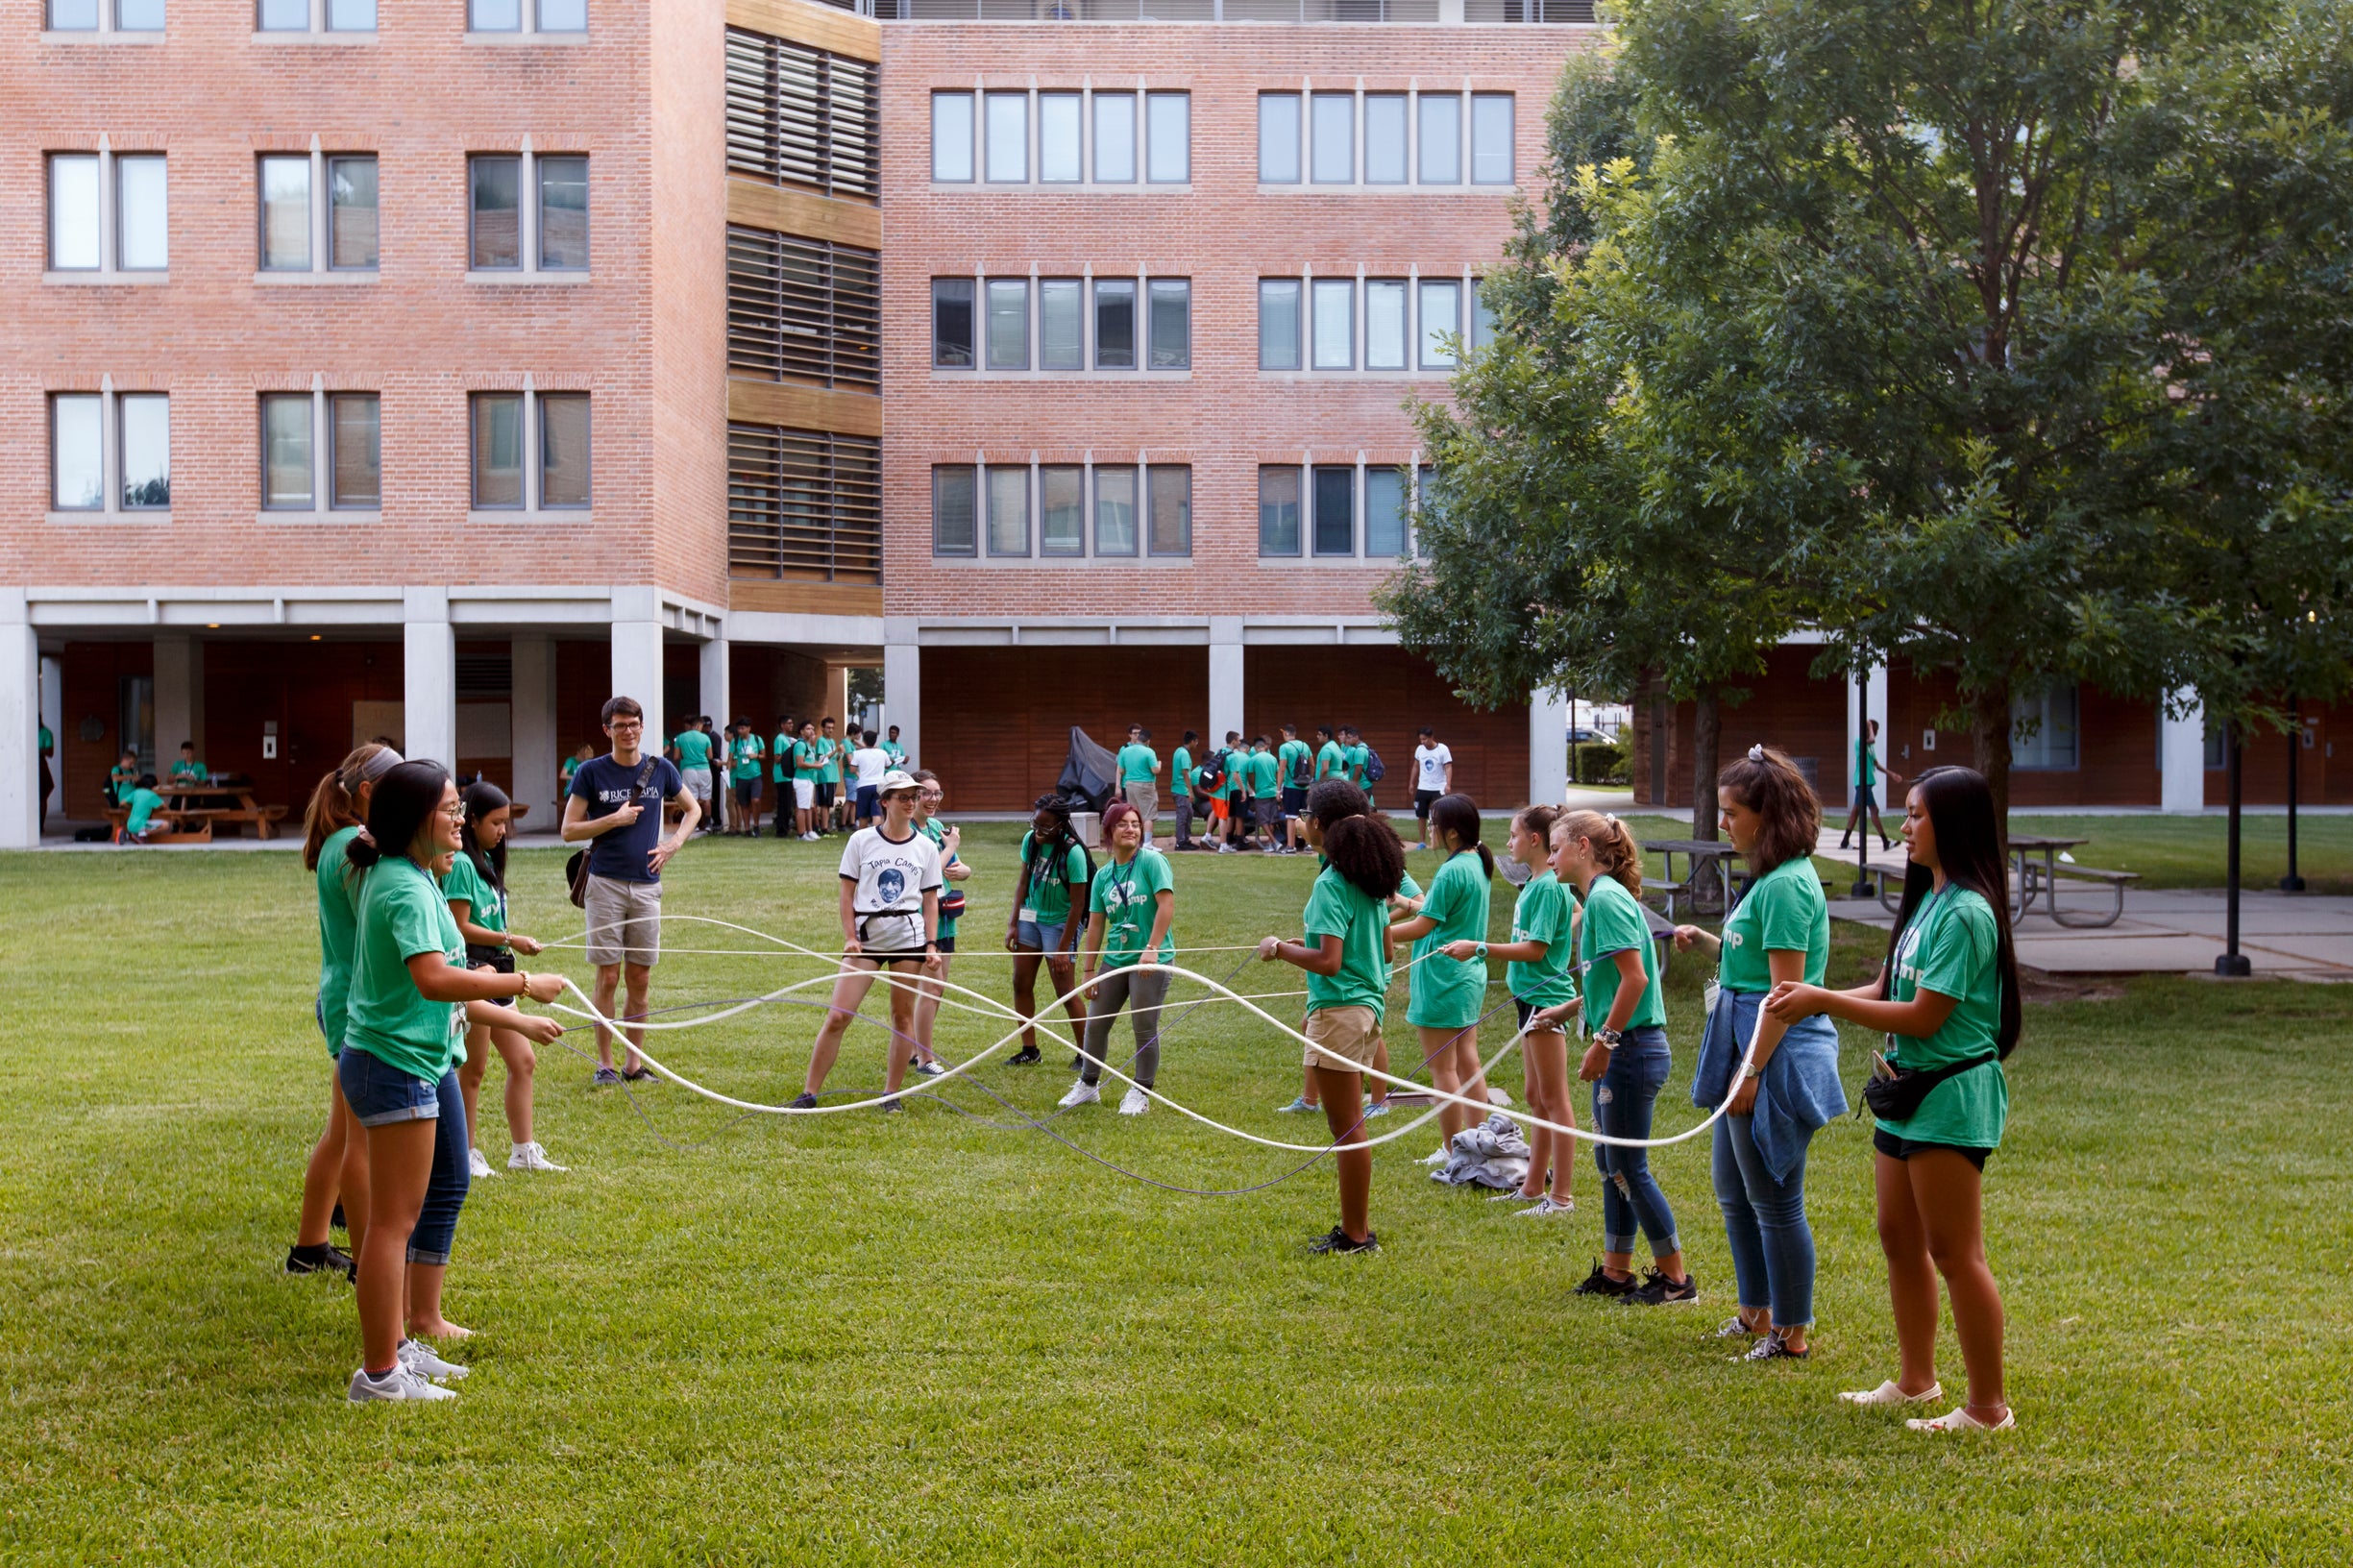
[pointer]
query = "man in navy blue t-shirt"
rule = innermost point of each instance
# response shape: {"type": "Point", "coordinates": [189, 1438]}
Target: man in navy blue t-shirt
{"type": "Point", "coordinates": [616, 806]}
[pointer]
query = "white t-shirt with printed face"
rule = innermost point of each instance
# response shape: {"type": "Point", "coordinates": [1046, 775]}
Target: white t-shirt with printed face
{"type": "Point", "coordinates": [1432, 761]}
{"type": "Point", "coordinates": [892, 877]}
{"type": "Point", "coordinates": [871, 762]}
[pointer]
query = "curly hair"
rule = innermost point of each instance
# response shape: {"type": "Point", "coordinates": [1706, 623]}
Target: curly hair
{"type": "Point", "coordinates": [1363, 848]}
{"type": "Point", "coordinates": [1769, 784]}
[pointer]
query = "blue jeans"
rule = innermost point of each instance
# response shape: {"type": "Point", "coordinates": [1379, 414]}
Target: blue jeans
{"type": "Point", "coordinates": [1623, 1097]}
{"type": "Point", "coordinates": [445, 1191]}
{"type": "Point", "coordinates": [1764, 1220]}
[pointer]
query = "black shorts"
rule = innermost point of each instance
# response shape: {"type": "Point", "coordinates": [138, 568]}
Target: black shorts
{"type": "Point", "coordinates": [747, 791]}
{"type": "Point", "coordinates": [946, 944]}
{"type": "Point", "coordinates": [1865, 800]}
{"type": "Point", "coordinates": [1423, 801]}
{"type": "Point", "coordinates": [825, 792]}
{"type": "Point", "coordinates": [1294, 800]}
{"type": "Point", "coordinates": [1904, 1148]}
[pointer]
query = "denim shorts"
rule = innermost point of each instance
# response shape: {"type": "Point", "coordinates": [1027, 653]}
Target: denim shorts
{"type": "Point", "coordinates": [1045, 939]}
{"type": "Point", "coordinates": [381, 1094]}
{"type": "Point", "coordinates": [1904, 1148]}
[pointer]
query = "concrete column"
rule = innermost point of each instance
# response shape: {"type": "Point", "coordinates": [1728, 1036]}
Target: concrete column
{"type": "Point", "coordinates": [902, 684]}
{"type": "Point", "coordinates": [1548, 745]}
{"type": "Point", "coordinates": [538, 749]}
{"type": "Point", "coordinates": [837, 699]}
{"type": "Point", "coordinates": [714, 696]}
{"type": "Point", "coordinates": [20, 675]}
{"type": "Point", "coordinates": [429, 677]}
{"type": "Point", "coordinates": [177, 682]}
{"type": "Point", "coordinates": [1225, 676]}
{"type": "Point", "coordinates": [637, 656]}
{"type": "Point", "coordinates": [2181, 757]}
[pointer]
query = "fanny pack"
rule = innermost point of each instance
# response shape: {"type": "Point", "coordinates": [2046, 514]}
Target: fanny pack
{"type": "Point", "coordinates": [1898, 1098]}
{"type": "Point", "coordinates": [501, 959]}
{"type": "Point", "coordinates": [891, 931]}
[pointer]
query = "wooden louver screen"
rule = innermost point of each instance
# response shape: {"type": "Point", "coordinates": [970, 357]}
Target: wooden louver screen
{"type": "Point", "coordinates": [803, 309]}
{"type": "Point", "coordinates": [803, 504]}
{"type": "Point", "coordinates": [802, 117]}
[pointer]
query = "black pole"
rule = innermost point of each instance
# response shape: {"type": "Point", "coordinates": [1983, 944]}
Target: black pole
{"type": "Point", "coordinates": [1572, 737]}
{"type": "Point", "coordinates": [2292, 883]}
{"type": "Point", "coordinates": [1862, 888]}
{"type": "Point", "coordinates": [2233, 962]}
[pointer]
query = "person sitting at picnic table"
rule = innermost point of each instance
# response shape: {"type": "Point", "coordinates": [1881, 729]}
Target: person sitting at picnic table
{"type": "Point", "coordinates": [144, 802]}
{"type": "Point", "coordinates": [187, 769]}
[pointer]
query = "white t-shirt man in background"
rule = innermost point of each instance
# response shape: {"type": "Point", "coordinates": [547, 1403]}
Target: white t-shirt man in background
{"type": "Point", "coordinates": [1433, 775]}
{"type": "Point", "coordinates": [867, 764]}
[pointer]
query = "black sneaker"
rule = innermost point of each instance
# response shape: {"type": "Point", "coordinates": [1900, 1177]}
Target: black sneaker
{"type": "Point", "coordinates": [637, 1075]}
{"type": "Point", "coordinates": [1024, 1057]}
{"type": "Point", "coordinates": [1600, 1283]}
{"type": "Point", "coordinates": [1337, 1242]}
{"type": "Point", "coordinates": [319, 1260]}
{"type": "Point", "coordinates": [805, 1101]}
{"type": "Point", "coordinates": [891, 1104]}
{"type": "Point", "coordinates": [334, 1221]}
{"type": "Point", "coordinates": [1657, 1291]}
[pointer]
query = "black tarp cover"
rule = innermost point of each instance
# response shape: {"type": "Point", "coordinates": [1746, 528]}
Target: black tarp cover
{"type": "Point", "coordinates": [1090, 773]}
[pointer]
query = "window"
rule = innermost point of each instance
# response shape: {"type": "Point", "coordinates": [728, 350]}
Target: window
{"type": "Point", "coordinates": [951, 322]}
{"type": "Point", "coordinates": [563, 449]}
{"type": "Point", "coordinates": [1008, 145]}
{"type": "Point", "coordinates": [497, 450]}
{"type": "Point", "coordinates": [74, 204]}
{"type": "Point", "coordinates": [1385, 138]}
{"type": "Point", "coordinates": [1115, 138]}
{"type": "Point", "coordinates": [142, 17]}
{"type": "Point", "coordinates": [1335, 341]}
{"type": "Point", "coordinates": [142, 241]}
{"type": "Point", "coordinates": [146, 423]}
{"type": "Point", "coordinates": [73, 16]}
{"type": "Point", "coordinates": [351, 213]}
{"type": "Point", "coordinates": [1278, 323]}
{"type": "Point", "coordinates": [1483, 319]}
{"type": "Point", "coordinates": [1384, 325]}
{"type": "Point", "coordinates": [1059, 139]}
{"type": "Point", "coordinates": [1115, 511]}
{"type": "Point", "coordinates": [563, 215]}
{"type": "Point", "coordinates": [1334, 120]}
{"type": "Point", "coordinates": [1169, 526]}
{"type": "Point", "coordinates": [1171, 301]}
{"type": "Point", "coordinates": [285, 17]}
{"type": "Point", "coordinates": [1442, 320]}
{"type": "Point", "coordinates": [1492, 138]}
{"type": "Point", "coordinates": [1062, 510]}
{"type": "Point", "coordinates": [350, 229]}
{"type": "Point", "coordinates": [1278, 139]}
{"type": "Point", "coordinates": [286, 452]}
{"type": "Point", "coordinates": [1441, 138]}
{"type": "Point", "coordinates": [954, 507]}
{"type": "Point", "coordinates": [1336, 516]}
{"type": "Point", "coordinates": [802, 310]}
{"type": "Point", "coordinates": [804, 505]}
{"type": "Point", "coordinates": [1115, 324]}
{"type": "Point", "coordinates": [797, 115]}
{"type": "Point", "coordinates": [1385, 511]}
{"type": "Point", "coordinates": [83, 188]}
{"type": "Point", "coordinates": [1279, 511]}
{"type": "Point", "coordinates": [297, 16]}
{"type": "Point", "coordinates": [1062, 307]}
{"type": "Point", "coordinates": [77, 452]}
{"type": "Point", "coordinates": [530, 451]}
{"type": "Point", "coordinates": [1168, 141]}
{"type": "Point", "coordinates": [286, 215]}
{"type": "Point", "coordinates": [494, 215]}
{"type": "Point", "coordinates": [494, 16]}
{"type": "Point", "coordinates": [1009, 324]}
{"type": "Point", "coordinates": [951, 136]}
{"type": "Point", "coordinates": [1008, 511]}
{"type": "Point", "coordinates": [547, 234]}
{"type": "Point", "coordinates": [524, 15]}
{"type": "Point", "coordinates": [355, 457]}
{"type": "Point", "coordinates": [105, 16]}
{"type": "Point", "coordinates": [2043, 728]}
{"type": "Point", "coordinates": [561, 15]}
{"type": "Point", "coordinates": [95, 467]}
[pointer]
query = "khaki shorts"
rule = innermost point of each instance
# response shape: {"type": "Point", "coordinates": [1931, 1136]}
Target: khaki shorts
{"type": "Point", "coordinates": [1349, 1033]}
{"type": "Point", "coordinates": [624, 921]}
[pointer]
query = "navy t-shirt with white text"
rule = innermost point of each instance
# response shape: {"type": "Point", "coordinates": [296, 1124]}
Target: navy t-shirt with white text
{"type": "Point", "coordinates": [605, 785]}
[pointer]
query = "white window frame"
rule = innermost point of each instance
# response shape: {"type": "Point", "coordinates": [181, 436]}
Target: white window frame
{"type": "Point", "coordinates": [318, 31]}
{"type": "Point", "coordinates": [321, 219]}
{"type": "Point", "coordinates": [1302, 94]}
{"type": "Point", "coordinates": [111, 507]}
{"type": "Point", "coordinates": [1141, 95]}
{"type": "Point", "coordinates": [1356, 557]}
{"type": "Point", "coordinates": [105, 32]}
{"type": "Point", "coordinates": [322, 507]}
{"type": "Point", "coordinates": [527, 221]}
{"type": "Point", "coordinates": [526, 28]}
{"type": "Point", "coordinates": [1034, 367]}
{"type": "Point", "coordinates": [533, 509]}
{"type": "Point", "coordinates": [1031, 466]}
{"type": "Point", "coordinates": [109, 269]}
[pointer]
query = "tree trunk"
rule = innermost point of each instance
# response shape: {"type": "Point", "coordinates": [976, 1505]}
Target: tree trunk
{"type": "Point", "coordinates": [1989, 729]}
{"type": "Point", "coordinates": [1706, 728]}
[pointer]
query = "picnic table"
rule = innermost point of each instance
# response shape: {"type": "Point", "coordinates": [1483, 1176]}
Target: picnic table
{"type": "Point", "coordinates": [1702, 856]}
{"type": "Point", "coordinates": [236, 803]}
{"type": "Point", "coordinates": [2023, 847]}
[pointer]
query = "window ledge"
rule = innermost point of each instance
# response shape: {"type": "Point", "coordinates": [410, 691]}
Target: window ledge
{"type": "Point", "coordinates": [503, 517]}
{"type": "Point", "coordinates": [140, 515]}
{"type": "Point", "coordinates": [511, 39]}
{"type": "Point", "coordinates": [339, 516]}
{"type": "Point", "coordinates": [78, 279]}
{"type": "Point", "coordinates": [92, 35]}
{"type": "Point", "coordinates": [287, 35]}
{"type": "Point", "coordinates": [290, 279]}
{"type": "Point", "coordinates": [511, 277]}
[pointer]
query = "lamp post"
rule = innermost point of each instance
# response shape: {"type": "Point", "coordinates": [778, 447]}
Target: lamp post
{"type": "Point", "coordinates": [2233, 963]}
{"type": "Point", "coordinates": [1862, 888]}
{"type": "Point", "coordinates": [2292, 883]}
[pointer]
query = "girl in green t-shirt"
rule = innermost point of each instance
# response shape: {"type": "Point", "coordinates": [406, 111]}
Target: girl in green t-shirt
{"type": "Point", "coordinates": [1346, 952]}
{"type": "Point", "coordinates": [1446, 996]}
{"type": "Point", "coordinates": [1948, 998]}
{"type": "Point", "coordinates": [410, 993]}
{"type": "Point", "coordinates": [476, 888]}
{"type": "Point", "coordinates": [1539, 969]}
{"type": "Point", "coordinates": [929, 990]}
{"type": "Point", "coordinates": [1131, 909]}
{"type": "Point", "coordinates": [1041, 928]}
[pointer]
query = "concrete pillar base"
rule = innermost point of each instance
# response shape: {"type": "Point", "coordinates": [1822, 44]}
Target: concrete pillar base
{"type": "Point", "coordinates": [429, 677]}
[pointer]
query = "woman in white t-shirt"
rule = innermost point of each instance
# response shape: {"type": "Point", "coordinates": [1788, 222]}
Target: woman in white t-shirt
{"type": "Point", "coordinates": [890, 919]}
{"type": "Point", "coordinates": [1433, 775]}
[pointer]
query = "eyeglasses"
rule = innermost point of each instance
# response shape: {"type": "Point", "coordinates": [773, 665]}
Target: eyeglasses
{"type": "Point", "coordinates": [626, 723]}
{"type": "Point", "coordinates": [455, 813]}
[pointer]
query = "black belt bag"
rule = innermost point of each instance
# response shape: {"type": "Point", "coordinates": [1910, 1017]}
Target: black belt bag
{"type": "Point", "coordinates": [1900, 1098]}
{"type": "Point", "coordinates": [497, 958]}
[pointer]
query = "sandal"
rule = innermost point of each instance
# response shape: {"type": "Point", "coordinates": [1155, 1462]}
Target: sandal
{"type": "Point", "coordinates": [1888, 1393]}
{"type": "Point", "coordinates": [1960, 1420]}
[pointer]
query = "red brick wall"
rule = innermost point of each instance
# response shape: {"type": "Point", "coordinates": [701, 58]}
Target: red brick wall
{"type": "Point", "coordinates": [997, 721]}
{"type": "Point", "coordinates": [1786, 707]}
{"type": "Point", "coordinates": [1388, 694]}
{"type": "Point", "coordinates": [93, 673]}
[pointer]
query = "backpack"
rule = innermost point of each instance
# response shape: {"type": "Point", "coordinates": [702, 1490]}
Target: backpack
{"type": "Point", "coordinates": [1301, 769]}
{"type": "Point", "coordinates": [1213, 771]}
{"type": "Point", "coordinates": [1374, 773]}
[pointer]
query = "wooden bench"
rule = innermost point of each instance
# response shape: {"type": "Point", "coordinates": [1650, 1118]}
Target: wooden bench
{"type": "Point", "coordinates": [202, 833]}
{"type": "Point", "coordinates": [2116, 882]}
{"type": "Point", "coordinates": [266, 818]}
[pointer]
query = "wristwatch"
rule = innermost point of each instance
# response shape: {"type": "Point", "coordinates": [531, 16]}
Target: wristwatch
{"type": "Point", "coordinates": [1608, 1038]}
{"type": "Point", "coordinates": [1752, 1070]}
{"type": "Point", "coordinates": [1483, 952]}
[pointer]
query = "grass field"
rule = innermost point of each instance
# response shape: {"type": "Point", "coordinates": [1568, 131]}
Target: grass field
{"type": "Point", "coordinates": [870, 1340]}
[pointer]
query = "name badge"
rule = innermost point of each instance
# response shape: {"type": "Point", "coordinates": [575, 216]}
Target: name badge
{"type": "Point", "coordinates": [1030, 915]}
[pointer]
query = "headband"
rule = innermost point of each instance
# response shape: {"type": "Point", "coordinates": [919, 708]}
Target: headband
{"type": "Point", "coordinates": [375, 766]}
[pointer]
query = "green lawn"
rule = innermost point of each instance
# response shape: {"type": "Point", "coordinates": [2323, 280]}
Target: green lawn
{"type": "Point", "coordinates": [859, 1341]}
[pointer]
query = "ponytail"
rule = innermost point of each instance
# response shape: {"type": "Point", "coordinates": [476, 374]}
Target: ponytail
{"type": "Point", "coordinates": [334, 803]}
{"type": "Point", "coordinates": [1539, 820]}
{"type": "Point", "coordinates": [396, 812]}
{"type": "Point", "coordinates": [1615, 853]}
{"type": "Point", "coordinates": [1458, 815]}
{"type": "Point", "coordinates": [481, 798]}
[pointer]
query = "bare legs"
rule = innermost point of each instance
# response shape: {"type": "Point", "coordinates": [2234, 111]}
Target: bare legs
{"type": "Point", "coordinates": [1064, 974]}
{"type": "Point", "coordinates": [322, 1178]}
{"type": "Point", "coordinates": [400, 1158]}
{"type": "Point", "coordinates": [1932, 1223]}
{"type": "Point", "coordinates": [1453, 1055]}
{"type": "Point", "coordinates": [521, 1062]}
{"type": "Point", "coordinates": [1545, 1055]}
{"type": "Point", "coordinates": [927, 998]}
{"type": "Point", "coordinates": [856, 979]}
{"type": "Point", "coordinates": [640, 979]}
{"type": "Point", "coordinates": [1343, 1093]}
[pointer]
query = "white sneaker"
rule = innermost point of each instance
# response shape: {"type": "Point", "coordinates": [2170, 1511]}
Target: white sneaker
{"type": "Point", "coordinates": [1081, 1092]}
{"type": "Point", "coordinates": [477, 1165]}
{"type": "Point", "coordinates": [1438, 1158]}
{"type": "Point", "coordinates": [1888, 1393]}
{"type": "Point", "coordinates": [1134, 1102]}
{"type": "Point", "coordinates": [1546, 1206]}
{"type": "Point", "coordinates": [418, 1356]}
{"type": "Point", "coordinates": [531, 1157]}
{"type": "Point", "coordinates": [1512, 1194]}
{"type": "Point", "coordinates": [808, 838]}
{"type": "Point", "coordinates": [398, 1383]}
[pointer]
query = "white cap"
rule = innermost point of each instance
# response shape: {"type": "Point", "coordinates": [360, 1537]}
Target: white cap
{"type": "Point", "coordinates": [895, 779]}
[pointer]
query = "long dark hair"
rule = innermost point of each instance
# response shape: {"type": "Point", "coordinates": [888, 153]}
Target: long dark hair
{"type": "Point", "coordinates": [482, 798]}
{"type": "Point", "coordinates": [1458, 815]}
{"type": "Point", "coordinates": [396, 812]}
{"type": "Point", "coordinates": [1960, 808]}
{"type": "Point", "coordinates": [1361, 847]}
{"type": "Point", "coordinates": [1769, 784]}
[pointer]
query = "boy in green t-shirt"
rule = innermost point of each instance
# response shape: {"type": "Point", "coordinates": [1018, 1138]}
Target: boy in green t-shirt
{"type": "Point", "coordinates": [830, 805]}
{"type": "Point", "coordinates": [1266, 795]}
{"type": "Point", "coordinates": [893, 750]}
{"type": "Point", "coordinates": [144, 802]}
{"type": "Point", "coordinates": [691, 749]}
{"type": "Point", "coordinates": [187, 769]}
